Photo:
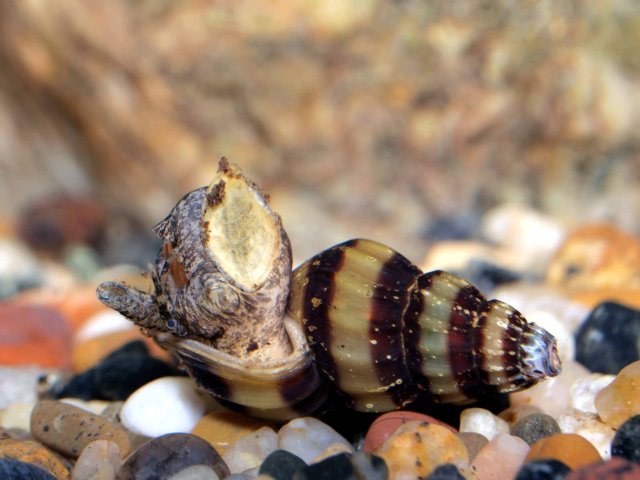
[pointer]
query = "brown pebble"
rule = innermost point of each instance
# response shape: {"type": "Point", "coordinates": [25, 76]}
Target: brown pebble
{"type": "Point", "coordinates": [29, 451]}
{"type": "Point", "coordinates": [222, 428]}
{"type": "Point", "coordinates": [384, 426]}
{"type": "Point", "coordinates": [620, 400]}
{"type": "Point", "coordinates": [68, 429]}
{"type": "Point", "coordinates": [570, 448]}
{"type": "Point", "coordinates": [614, 469]}
{"type": "Point", "coordinates": [473, 441]}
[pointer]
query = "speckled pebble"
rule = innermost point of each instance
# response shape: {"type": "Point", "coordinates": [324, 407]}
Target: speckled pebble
{"type": "Point", "coordinates": [445, 472]}
{"type": "Point", "coordinates": [70, 429]}
{"type": "Point", "coordinates": [99, 460]}
{"type": "Point", "coordinates": [543, 470]}
{"type": "Point", "coordinates": [534, 427]}
{"type": "Point", "coordinates": [174, 400]}
{"type": "Point", "coordinates": [308, 437]}
{"type": "Point", "coordinates": [582, 393]}
{"type": "Point", "coordinates": [590, 427]}
{"type": "Point", "coordinates": [482, 421]}
{"type": "Point", "coordinates": [345, 466]}
{"type": "Point", "coordinates": [620, 400]}
{"type": "Point", "coordinates": [501, 458]}
{"type": "Point", "coordinates": [417, 448]}
{"type": "Point", "coordinates": [607, 340]}
{"type": "Point", "coordinates": [473, 441]}
{"type": "Point", "coordinates": [281, 465]}
{"type": "Point", "coordinates": [250, 451]}
{"type": "Point", "coordinates": [626, 442]}
{"type": "Point", "coordinates": [614, 469]}
{"type": "Point", "coordinates": [35, 453]}
{"type": "Point", "coordinates": [387, 423]}
{"type": "Point", "coordinates": [572, 449]}
{"type": "Point", "coordinates": [167, 455]}
{"type": "Point", "coordinates": [15, 469]}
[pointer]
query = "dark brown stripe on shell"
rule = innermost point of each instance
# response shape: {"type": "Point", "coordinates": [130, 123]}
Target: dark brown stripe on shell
{"type": "Point", "coordinates": [389, 302]}
{"type": "Point", "coordinates": [318, 297]}
{"type": "Point", "coordinates": [306, 393]}
{"type": "Point", "coordinates": [411, 332]}
{"type": "Point", "coordinates": [465, 340]}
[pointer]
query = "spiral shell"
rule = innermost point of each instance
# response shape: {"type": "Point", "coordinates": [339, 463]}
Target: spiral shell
{"type": "Point", "coordinates": [356, 325]}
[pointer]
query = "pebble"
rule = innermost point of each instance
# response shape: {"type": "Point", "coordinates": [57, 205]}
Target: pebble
{"type": "Point", "coordinates": [572, 449]}
{"type": "Point", "coordinates": [384, 426]}
{"type": "Point", "coordinates": [551, 395]}
{"type": "Point", "coordinates": [34, 335]}
{"type": "Point", "coordinates": [543, 470]}
{"type": "Point", "coordinates": [103, 323]}
{"type": "Point", "coordinates": [333, 449]}
{"type": "Point", "coordinates": [281, 465]}
{"type": "Point", "coordinates": [69, 429]}
{"type": "Point", "coordinates": [445, 472]}
{"type": "Point", "coordinates": [19, 268]}
{"type": "Point", "coordinates": [614, 469]}
{"type": "Point", "coordinates": [222, 428]}
{"type": "Point", "coordinates": [501, 458]}
{"type": "Point", "coordinates": [99, 460]}
{"type": "Point", "coordinates": [196, 472]}
{"type": "Point", "coordinates": [590, 427]}
{"type": "Point", "coordinates": [169, 455]}
{"type": "Point", "coordinates": [417, 448]}
{"type": "Point", "coordinates": [308, 437]}
{"type": "Point", "coordinates": [473, 441]}
{"type": "Point", "coordinates": [345, 466]}
{"type": "Point", "coordinates": [20, 384]}
{"type": "Point", "coordinates": [17, 415]}
{"type": "Point", "coordinates": [626, 442]}
{"type": "Point", "coordinates": [482, 421]}
{"type": "Point", "coordinates": [609, 339]}
{"type": "Point", "coordinates": [166, 405]}
{"type": "Point", "coordinates": [35, 453]}
{"type": "Point", "coordinates": [582, 393]}
{"type": "Point", "coordinates": [535, 427]}
{"type": "Point", "coordinates": [15, 469]}
{"type": "Point", "coordinates": [621, 398]}
{"type": "Point", "coordinates": [517, 412]}
{"type": "Point", "coordinates": [250, 451]}
{"type": "Point", "coordinates": [118, 375]}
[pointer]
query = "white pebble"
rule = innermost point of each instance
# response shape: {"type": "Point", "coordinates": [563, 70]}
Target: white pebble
{"type": "Point", "coordinates": [195, 472]}
{"type": "Point", "coordinates": [482, 421]}
{"type": "Point", "coordinates": [17, 415]}
{"type": "Point", "coordinates": [308, 437]}
{"type": "Point", "coordinates": [584, 390]}
{"type": "Point", "coordinates": [166, 405]}
{"type": "Point", "coordinates": [551, 395]}
{"type": "Point", "coordinates": [103, 323]}
{"type": "Point", "coordinates": [249, 452]}
{"type": "Point", "coordinates": [590, 427]}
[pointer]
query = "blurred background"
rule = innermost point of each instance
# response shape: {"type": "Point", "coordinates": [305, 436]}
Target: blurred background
{"type": "Point", "coordinates": [406, 121]}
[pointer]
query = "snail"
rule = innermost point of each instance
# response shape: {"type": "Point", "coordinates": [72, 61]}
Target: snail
{"type": "Point", "coordinates": [358, 324]}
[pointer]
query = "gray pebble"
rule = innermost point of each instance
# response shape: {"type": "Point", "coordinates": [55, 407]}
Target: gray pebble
{"type": "Point", "coordinates": [535, 427]}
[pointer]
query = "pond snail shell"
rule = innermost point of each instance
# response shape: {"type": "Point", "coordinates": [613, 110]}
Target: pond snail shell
{"type": "Point", "coordinates": [357, 324]}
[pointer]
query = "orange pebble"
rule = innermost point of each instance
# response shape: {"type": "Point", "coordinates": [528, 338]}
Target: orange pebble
{"type": "Point", "coordinates": [572, 449]}
{"type": "Point", "coordinates": [222, 428]}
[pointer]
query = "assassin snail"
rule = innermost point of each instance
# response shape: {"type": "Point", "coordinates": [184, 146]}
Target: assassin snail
{"type": "Point", "coordinates": [357, 324]}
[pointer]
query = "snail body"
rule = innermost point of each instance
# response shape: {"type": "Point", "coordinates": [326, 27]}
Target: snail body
{"type": "Point", "coordinates": [358, 324]}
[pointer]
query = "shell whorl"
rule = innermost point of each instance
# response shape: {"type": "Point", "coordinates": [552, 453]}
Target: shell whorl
{"type": "Point", "coordinates": [384, 332]}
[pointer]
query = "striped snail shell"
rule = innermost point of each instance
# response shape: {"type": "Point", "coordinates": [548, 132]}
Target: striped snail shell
{"type": "Point", "coordinates": [358, 324]}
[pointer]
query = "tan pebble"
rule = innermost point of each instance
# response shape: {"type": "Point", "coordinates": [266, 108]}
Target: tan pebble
{"type": "Point", "coordinates": [223, 428]}
{"type": "Point", "coordinates": [331, 450]}
{"type": "Point", "coordinates": [501, 458]}
{"type": "Point", "coordinates": [591, 299]}
{"type": "Point", "coordinates": [68, 429]}
{"type": "Point", "coordinates": [99, 460]}
{"type": "Point", "coordinates": [417, 448]}
{"type": "Point", "coordinates": [30, 451]}
{"type": "Point", "coordinates": [512, 414]}
{"type": "Point", "coordinates": [570, 448]}
{"type": "Point", "coordinates": [620, 400]}
{"type": "Point", "coordinates": [17, 415]}
{"type": "Point", "coordinates": [473, 441]}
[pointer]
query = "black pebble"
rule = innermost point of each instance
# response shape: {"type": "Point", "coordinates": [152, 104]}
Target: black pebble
{"type": "Point", "coordinates": [11, 469]}
{"type": "Point", "coordinates": [446, 471]}
{"type": "Point", "coordinates": [607, 341]}
{"type": "Point", "coordinates": [169, 454]}
{"type": "Point", "coordinates": [626, 442]}
{"type": "Point", "coordinates": [486, 276]}
{"type": "Point", "coordinates": [345, 467]}
{"type": "Point", "coordinates": [118, 375]}
{"type": "Point", "coordinates": [543, 470]}
{"type": "Point", "coordinates": [535, 427]}
{"type": "Point", "coordinates": [281, 465]}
